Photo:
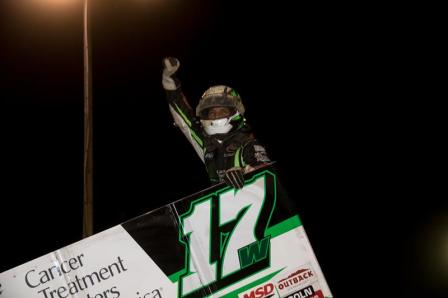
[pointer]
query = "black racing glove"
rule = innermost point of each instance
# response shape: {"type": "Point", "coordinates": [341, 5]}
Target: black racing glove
{"type": "Point", "coordinates": [234, 177]}
{"type": "Point", "coordinates": [170, 67]}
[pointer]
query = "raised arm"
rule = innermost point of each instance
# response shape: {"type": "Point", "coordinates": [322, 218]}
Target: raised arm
{"type": "Point", "coordinates": [181, 110]}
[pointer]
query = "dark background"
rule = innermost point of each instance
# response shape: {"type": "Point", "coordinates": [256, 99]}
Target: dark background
{"type": "Point", "coordinates": [328, 88]}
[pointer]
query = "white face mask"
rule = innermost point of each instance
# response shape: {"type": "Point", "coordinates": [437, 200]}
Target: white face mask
{"type": "Point", "coordinates": [222, 125]}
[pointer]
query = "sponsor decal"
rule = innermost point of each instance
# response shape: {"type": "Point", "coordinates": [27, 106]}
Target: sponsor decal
{"type": "Point", "coordinates": [46, 282]}
{"type": "Point", "coordinates": [307, 292]}
{"type": "Point", "coordinates": [38, 279]}
{"type": "Point", "coordinates": [263, 291]}
{"type": "Point", "coordinates": [297, 279]}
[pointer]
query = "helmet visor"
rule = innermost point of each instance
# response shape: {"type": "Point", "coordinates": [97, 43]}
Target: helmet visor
{"type": "Point", "coordinates": [215, 101]}
{"type": "Point", "coordinates": [220, 112]}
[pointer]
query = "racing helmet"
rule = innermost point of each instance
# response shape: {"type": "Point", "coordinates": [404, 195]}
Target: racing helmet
{"type": "Point", "coordinates": [220, 96]}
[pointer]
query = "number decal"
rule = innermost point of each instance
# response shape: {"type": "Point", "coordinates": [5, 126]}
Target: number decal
{"type": "Point", "coordinates": [224, 236]}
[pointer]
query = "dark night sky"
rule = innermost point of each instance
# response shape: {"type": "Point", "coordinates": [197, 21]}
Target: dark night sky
{"type": "Point", "coordinates": [323, 89]}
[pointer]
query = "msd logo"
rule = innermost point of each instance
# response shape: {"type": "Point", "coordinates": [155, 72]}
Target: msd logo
{"type": "Point", "coordinates": [263, 291]}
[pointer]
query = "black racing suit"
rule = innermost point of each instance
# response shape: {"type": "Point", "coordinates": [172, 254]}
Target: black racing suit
{"type": "Point", "coordinates": [219, 152]}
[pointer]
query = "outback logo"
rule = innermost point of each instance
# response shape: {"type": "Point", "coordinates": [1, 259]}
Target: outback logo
{"type": "Point", "coordinates": [295, 279]}
{"type": "Point", "coordinates": [263, 291]}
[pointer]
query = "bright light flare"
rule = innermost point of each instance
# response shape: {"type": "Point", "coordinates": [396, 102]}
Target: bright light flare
{"type": "Point", "coordinates": [56, 3]}
{"type": "Point", "coordinates": [45, 6]}
{"type": "Point", "coordinates": [46, 10]}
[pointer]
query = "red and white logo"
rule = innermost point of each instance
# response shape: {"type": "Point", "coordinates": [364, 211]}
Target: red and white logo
{"type": "Point", "coordinates": [307, 292]}
{"type": "Point", "coordinates": [296, 279]}
{"type": "Point", "coordinates": [263, 291]}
